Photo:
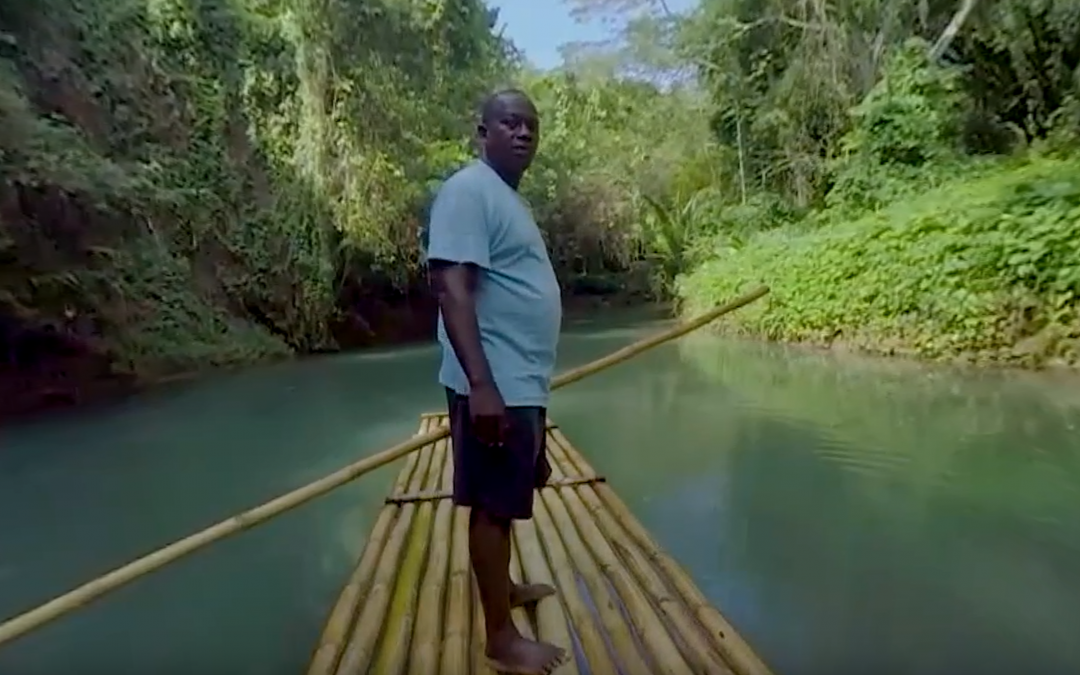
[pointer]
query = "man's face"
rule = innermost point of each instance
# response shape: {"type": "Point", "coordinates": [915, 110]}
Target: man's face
{"type": "Point", "coordinates": [512, 133]}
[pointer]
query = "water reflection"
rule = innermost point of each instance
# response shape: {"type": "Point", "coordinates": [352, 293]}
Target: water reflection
{"type": "Point", "coordinates": [899, 513]}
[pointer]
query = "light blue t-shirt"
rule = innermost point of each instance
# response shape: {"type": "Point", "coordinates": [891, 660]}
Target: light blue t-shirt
{"type": "Point", "coordinates": [477, 218]}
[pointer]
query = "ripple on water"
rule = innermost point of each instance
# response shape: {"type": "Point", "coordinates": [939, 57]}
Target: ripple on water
{"type": "Point", "coordinates": [868, 460]}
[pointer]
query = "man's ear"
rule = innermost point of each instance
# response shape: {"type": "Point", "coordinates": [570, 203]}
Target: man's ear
{"type": "Point", "coordinates": [481, 130]}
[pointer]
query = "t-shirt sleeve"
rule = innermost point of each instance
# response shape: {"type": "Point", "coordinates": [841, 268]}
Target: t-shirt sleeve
{"type": "Point", "coordinates": [458, 228]}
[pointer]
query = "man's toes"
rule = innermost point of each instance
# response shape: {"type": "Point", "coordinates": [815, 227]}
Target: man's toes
{"type": "Point", "coordinates": [525, 594]}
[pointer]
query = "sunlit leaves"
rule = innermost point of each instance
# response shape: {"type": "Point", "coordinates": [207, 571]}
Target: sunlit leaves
{"type": "Point", "coordinates": [972, 268]}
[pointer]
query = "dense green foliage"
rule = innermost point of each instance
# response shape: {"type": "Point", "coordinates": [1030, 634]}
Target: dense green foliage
{"type": "Point", "coordinates": [974, 267]}
{"type": "Point", "coordinates": [918, 206]}
{"type": "Point", "coordinates": [197, 182]}
{"type": "Point", "coordinates": [201, 178]}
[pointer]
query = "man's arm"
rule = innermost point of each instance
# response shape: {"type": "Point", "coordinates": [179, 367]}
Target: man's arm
{"type": "Point", "coordinates": [455, 284]}
{"type": "Point", "coordinates": [458, 248]}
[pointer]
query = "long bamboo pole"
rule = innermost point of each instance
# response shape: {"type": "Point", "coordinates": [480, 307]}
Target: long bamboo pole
{"type": "Point", "coordinates": [121, 576]}
{"type": "Point", "coordinates": [341, 619]}
{"type": "Point", "coordinates": [674, 333]}
{"type": "Point", "coordinates": [519, 615]}
{"type": "Point", "coordinates": [586, 508]}
{"type": "Point", "coordinates": [551, 619]}
{"type": "Point", "coordinates": [598, 657]}
{"type": "Point", "coordinates": [602, 567]}
{"type": "Point", "coordinates": [458, 627]}
{"type": "Point", "coordinates": [426, 638]}
{"type": "Point", "coordinates": [395, 626]}
{"type": "Point", "coordinates": [367, 628]}
{"type": "Point", "coordinates": [628, 658]}
{"type": "Point", "coordinates": [736, 651]}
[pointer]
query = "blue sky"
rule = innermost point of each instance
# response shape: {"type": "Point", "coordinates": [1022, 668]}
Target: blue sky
{"type": "Point", "coordinates": [539, 27]}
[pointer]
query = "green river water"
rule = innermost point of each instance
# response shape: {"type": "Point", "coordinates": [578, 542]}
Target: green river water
{"type": "Point", "coordinates": [848, 515]}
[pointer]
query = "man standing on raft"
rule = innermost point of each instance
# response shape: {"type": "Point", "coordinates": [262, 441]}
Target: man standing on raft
{"type": "Point", "coordinates": [499, 319]}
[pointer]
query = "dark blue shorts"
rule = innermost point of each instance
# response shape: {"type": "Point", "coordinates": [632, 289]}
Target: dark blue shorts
{"type": "Point", "coordinates": [500, 481]}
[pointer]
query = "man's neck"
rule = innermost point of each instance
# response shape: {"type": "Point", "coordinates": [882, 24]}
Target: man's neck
{"type": "Point", "coordinates": [511, 179]}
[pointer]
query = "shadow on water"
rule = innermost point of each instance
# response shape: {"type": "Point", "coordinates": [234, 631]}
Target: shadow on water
{"type": "Point", "coordinates": [848, 515]}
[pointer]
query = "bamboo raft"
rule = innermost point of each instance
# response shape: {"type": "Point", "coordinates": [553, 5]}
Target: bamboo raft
{"type": "Point", "coordinates": [623, 606]}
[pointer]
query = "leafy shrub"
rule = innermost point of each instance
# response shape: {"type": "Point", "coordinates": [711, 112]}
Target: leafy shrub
{"type": "Point", "coordinates": [905, 134]}
{"type": "Point", "coordinates": [986, 266]}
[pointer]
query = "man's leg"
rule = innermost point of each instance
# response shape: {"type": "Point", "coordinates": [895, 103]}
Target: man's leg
{"type": "Point", "coordinates": [535, 420]}
{"type": "Point", "coordinates": [489, 549]}
{"type": "Point", "coordinates": [497, 484]}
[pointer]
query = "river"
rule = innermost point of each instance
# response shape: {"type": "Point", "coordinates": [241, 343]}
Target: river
{"type": "Point", "coordinates": [848, 515]}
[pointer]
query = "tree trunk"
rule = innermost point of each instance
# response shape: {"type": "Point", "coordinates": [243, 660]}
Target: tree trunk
{"type": "Point", "coordinates": [951, 30]}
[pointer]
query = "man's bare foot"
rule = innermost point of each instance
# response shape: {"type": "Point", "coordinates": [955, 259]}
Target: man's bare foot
{"type": "Point", "coordinates": [509, 652]}
{"type": "Point", "coordinates": [528, 594]}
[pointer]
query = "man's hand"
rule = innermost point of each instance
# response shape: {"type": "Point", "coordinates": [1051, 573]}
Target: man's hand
{"type": "Point", "coordinates": [488, 412]}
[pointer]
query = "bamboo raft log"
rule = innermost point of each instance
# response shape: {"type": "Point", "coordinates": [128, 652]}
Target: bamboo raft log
{"type": "Point", "coordinates": [623, 605]}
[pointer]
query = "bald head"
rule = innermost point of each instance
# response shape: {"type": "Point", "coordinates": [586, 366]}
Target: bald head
{"type": "Point", "coordinates": [509, 132]}
{"type": "Point", "coordinates": [493, 105]}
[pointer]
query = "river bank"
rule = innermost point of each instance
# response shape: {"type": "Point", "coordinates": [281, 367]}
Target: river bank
{"type": "Point", "coordinates": [877, 348]}
{"type": "Point", "coordinates": [48, 371]}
